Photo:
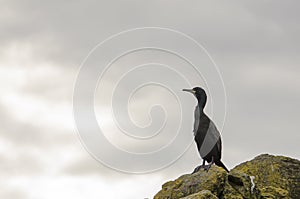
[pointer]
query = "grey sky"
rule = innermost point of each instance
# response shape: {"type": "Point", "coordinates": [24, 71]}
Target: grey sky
{"type": "Point", "coordinates": [254, 43]}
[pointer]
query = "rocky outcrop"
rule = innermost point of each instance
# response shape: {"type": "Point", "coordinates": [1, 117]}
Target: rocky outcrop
{"type": "Point", "coordinates": [264, 177]}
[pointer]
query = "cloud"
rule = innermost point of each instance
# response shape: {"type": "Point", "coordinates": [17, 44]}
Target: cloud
{"type": "Point", "coordinates": [67, 31]}
{"type": "Point", "coordinates": [13, 193]}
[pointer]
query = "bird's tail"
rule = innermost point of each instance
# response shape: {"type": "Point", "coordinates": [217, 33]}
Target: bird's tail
{"type": "Point", "coordinates": [220, 164]}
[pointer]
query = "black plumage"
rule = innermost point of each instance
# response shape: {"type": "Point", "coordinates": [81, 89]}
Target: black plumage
{"type": "Point", "coordinates": [207, 136]}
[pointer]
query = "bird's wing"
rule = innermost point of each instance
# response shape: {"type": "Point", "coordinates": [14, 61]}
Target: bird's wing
{"type": "Point", "coordinates": [212, 139]}
{"type": "Point", "coordinates": [197, 119]}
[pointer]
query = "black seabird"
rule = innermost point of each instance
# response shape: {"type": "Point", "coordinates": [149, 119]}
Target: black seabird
{"type": "Point", "coordinates": [207, 136]}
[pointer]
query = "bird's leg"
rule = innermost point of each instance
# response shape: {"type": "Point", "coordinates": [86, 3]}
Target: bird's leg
{"type": "Point", "coordinates": [207, 167]}
{"type": "Point", "coordinates": [199, 167]}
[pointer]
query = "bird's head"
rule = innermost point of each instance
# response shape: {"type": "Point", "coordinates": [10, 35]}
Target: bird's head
{"type": "Point", "coordinates": [199, 93]}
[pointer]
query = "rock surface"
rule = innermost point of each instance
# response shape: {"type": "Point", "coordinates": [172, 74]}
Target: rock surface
{"type": "Point", "coordinates": [264, 177]}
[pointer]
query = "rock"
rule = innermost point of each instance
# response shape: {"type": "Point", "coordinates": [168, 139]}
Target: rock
{"type": "Point", "coordinates": [213, 180]}
{"type": "Point", "coordinates": [274, 175]}
{"type": "Point", "coordinates": [264, 177]}
{"type": "Point", "coordinates": [205, 194]}
{"type": "Point", "coordinates": [274, 192]}
{"type": "Point", "coordinates": [240, 185]}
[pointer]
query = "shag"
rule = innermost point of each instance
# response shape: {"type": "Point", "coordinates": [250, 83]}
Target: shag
{"type": "Point", "coordinates": [207, 136]}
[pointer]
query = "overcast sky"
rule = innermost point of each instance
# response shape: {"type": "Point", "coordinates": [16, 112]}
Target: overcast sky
{"type": "Point", "coordinates": [255, 45]}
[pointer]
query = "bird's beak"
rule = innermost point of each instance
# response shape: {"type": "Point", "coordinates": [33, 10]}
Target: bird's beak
{"type": "Point", "coordinates": [189, 90]}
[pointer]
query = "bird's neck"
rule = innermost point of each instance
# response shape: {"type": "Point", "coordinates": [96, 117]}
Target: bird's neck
{"type": "Point", "coordinates": [201, 104]}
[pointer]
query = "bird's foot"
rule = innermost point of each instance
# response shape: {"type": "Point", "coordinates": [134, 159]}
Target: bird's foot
{"type": "Point", "coordinates": [197, 168]}
{"type": "Point", "coordinates": [207, 167]}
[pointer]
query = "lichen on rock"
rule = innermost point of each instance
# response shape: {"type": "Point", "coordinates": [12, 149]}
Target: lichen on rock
{"type": "Point", "coordinates": [205, 194]}
{"type": "Point", "coordinates": [264, 177]}
{"type": "Point", "coordinates": [188, 184]}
